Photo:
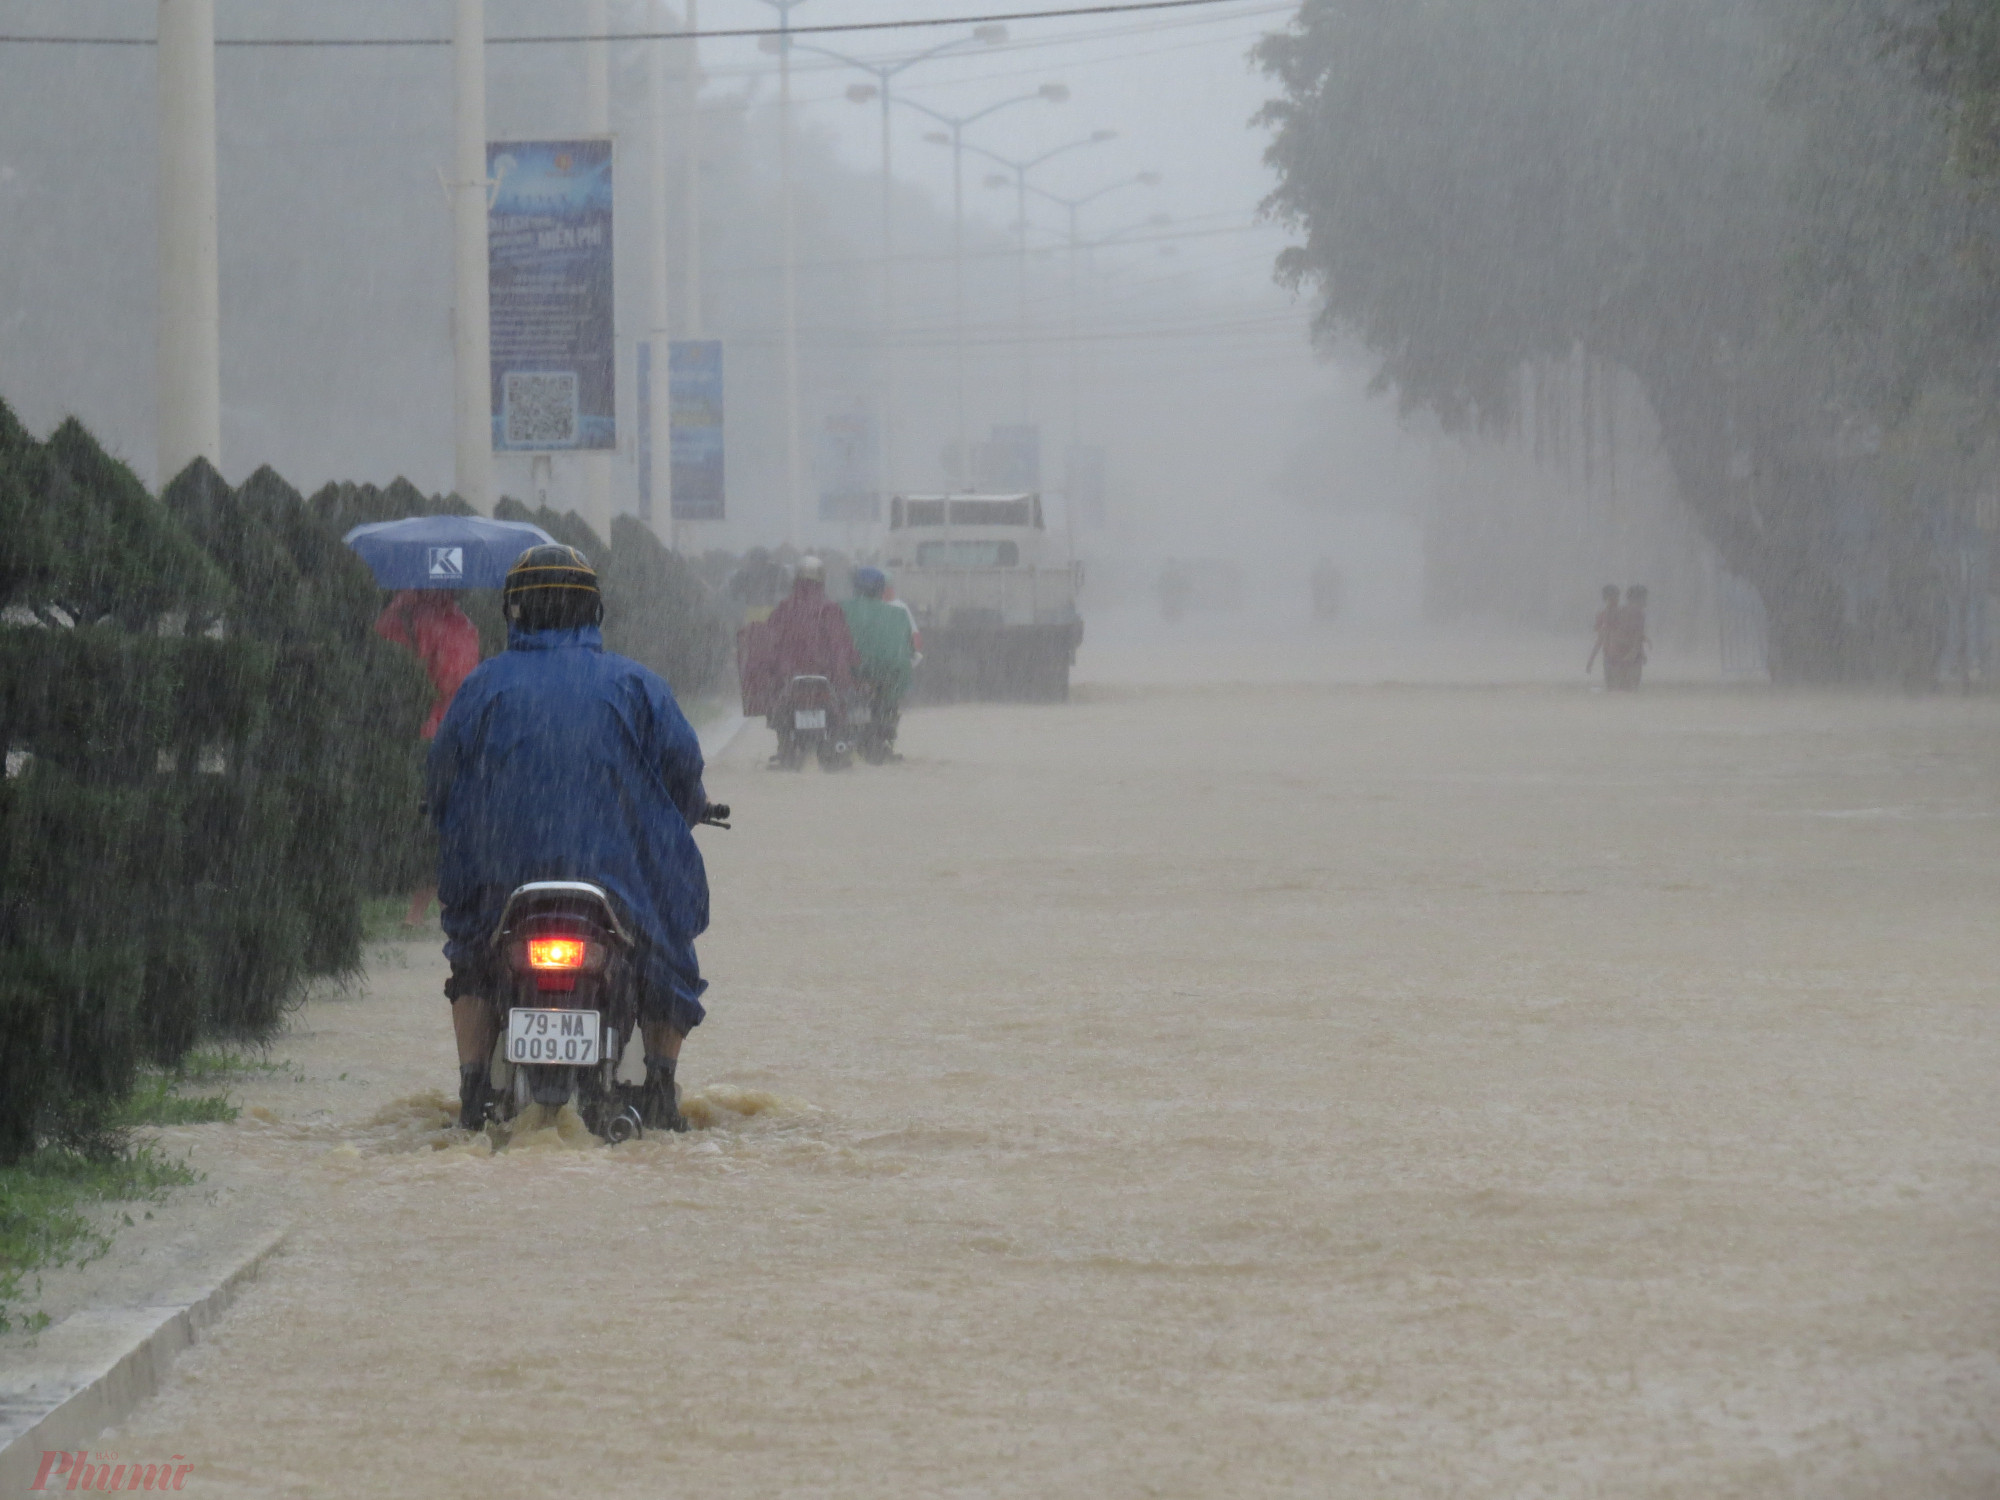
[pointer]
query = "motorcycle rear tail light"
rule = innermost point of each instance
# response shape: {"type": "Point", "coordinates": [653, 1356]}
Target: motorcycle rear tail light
{"type": "Point", "coordinates": [555, 953]}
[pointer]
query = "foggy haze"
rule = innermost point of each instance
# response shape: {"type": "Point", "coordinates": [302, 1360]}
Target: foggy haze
{"type": "Point", "coordinates": [1323, 824]}
{"type": "Point", "coordinates": [1225, 435]}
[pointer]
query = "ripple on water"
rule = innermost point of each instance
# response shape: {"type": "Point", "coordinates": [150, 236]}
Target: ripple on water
{"type": "Point", "coordinates": [428, 1121]}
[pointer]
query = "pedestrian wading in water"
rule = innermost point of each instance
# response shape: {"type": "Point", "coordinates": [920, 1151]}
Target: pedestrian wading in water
{"type": "Point", "coordinates": [1621, 638]}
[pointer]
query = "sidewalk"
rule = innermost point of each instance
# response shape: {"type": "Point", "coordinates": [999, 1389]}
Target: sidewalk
{"type": "Point", "coordinates": [117, 1323]}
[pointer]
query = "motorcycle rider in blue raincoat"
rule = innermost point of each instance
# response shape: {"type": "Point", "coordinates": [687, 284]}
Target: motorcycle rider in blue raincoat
{"type": "Point", "coordinates": [559, 760]}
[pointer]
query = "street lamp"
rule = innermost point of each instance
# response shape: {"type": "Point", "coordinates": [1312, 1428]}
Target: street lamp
{"type": "Point", "coordinates": [1072, 206]}
{"type": "Point", "coordinates": [787, 213]}
{"type": "Point", "coordinates": [954, 136]}
{"type": "Point", "coordinates": [1021, 167]}
{"type": "Point", "coordinates": [883, 89]}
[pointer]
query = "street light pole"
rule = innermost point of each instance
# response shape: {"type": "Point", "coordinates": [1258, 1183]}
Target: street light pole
{"type": "Point", "coordinates": [1021, 167]}
{"type": "Point", "coordinates": [888, 308]}
{"type": "Point", "coordinates": [1089, 262]}
{"type": "Point", "coordinates": [965, 463]}
{"type": "Point", "coordinates": [597, 112]}
{"type": "Point", "coordinates": [794, 476]}
{"type": "Point", "coordinates": [1053, 93]}
{"type": "Point", "coordinates": [691, 272]}
{"type": "Point", "coordinates": [188, 372]}
{"type": "Point", "coordinates": [473, 392]}
{"type": "Point", "coordinates": [1072, 206]}
{"type": "Point", "coordinates": [883, 90]}
{"type": "Point", "coordinates": [659, 469]}
{"type": "Point", "coordinates": [788, 213]}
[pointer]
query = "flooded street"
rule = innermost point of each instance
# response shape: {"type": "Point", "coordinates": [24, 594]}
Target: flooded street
{"type": "Point", "coordinates": [1272, 1090]}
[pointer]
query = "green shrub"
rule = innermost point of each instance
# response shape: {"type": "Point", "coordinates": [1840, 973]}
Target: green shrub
{"type": "Point", "coordinates": [207, 743]}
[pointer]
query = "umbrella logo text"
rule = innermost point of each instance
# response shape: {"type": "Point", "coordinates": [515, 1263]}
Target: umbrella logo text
{"type": "Point", "coordinates": [447, 563]}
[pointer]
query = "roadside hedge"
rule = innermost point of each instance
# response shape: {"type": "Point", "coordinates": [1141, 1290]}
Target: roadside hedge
{"type": "Point", "coordinates": [204, 737]}
{"type": "Point", "coordinates": [211, 756]}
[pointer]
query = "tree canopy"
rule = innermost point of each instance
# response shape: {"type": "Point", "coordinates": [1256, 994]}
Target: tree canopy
{"type": "Point", "coordinates": [1753, 205]}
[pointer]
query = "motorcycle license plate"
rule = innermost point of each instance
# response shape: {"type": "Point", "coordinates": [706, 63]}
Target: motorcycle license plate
{"type": "Point", "coordinates": [566, 1038]}
{"type": "Point", "coordinates": [859, 716]}
{"type": "Point", "coordinates": [809, 718]}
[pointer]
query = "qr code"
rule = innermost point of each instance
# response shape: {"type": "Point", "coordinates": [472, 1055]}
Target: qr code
{"type": "Point", "coordinates": [540, 410]}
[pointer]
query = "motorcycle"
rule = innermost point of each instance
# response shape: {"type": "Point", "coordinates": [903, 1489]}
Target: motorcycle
{"type": "Point", "coordinates": [872, 723]}
{"type": "Point", "coordinates": [810, 721]}
{"type": "Point", "coordinates": [570, 1006]}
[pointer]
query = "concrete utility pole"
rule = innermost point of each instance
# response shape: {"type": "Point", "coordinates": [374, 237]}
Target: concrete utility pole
{"type": "Point", "coordinates": [1020, 168]}
{"type": "Point", "coordinates": [883, 90]}
{"type": "Point", "coordinates": [691, 269]}
{"type": "Point", "coordinates": [597, 109]}
{"type": "Point", "coordinates": [954, 136]}
{"type": "Point", "coordinates": [1076, 244]}
{"type": "Point", "coordinates": [188, 374]}
{"type": "Point", "coordinates": [788, 212]}
{"type": "Point", "coordinates": [660, 472]}
{"type": "Point", "coordinates": [473, 403]}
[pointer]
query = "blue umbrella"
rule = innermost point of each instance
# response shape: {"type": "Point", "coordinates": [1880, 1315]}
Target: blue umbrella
{"type": "Point", "coordinates": [443, 552]}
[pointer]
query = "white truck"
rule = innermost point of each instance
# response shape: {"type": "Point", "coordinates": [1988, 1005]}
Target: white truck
{"type": "Point", "coordinates": [992, 591]}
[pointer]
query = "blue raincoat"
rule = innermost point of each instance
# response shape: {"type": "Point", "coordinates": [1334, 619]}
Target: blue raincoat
{"type": "Point", "coordinates": [559, 760]}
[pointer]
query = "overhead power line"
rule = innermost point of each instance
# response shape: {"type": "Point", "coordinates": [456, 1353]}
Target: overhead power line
{"type": "Point", "coordinates": [1121, 33]}
{"type": "Point", "coordinates": [563, 38]}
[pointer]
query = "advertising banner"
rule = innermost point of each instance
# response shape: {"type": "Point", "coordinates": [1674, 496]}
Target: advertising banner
{"type": "Point", "coordinates": [694, 399]}
{"type": "Point", "coordinates": [548, 238]}
{"type": "Point", "coordinates": [850, 469]}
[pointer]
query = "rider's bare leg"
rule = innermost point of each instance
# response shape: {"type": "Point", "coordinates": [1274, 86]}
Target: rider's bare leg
{"type": "Point", "coordinates": [420, 905]}
{"type": "Point", "coordinates": [472, 1024]}
{"type": "Point", "coordinates": [660, 1103]}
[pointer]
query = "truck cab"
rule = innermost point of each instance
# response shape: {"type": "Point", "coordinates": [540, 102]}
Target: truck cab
{"type": "Point", "coordinates": [994, 594]}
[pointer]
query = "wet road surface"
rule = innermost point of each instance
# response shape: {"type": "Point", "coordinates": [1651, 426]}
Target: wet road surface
{"type": "Point", "coordinates": [1207, 1092]}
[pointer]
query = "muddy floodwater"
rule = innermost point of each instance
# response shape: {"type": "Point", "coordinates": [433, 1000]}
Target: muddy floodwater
{"type": "Point", "coordinates": [1281, 1090]}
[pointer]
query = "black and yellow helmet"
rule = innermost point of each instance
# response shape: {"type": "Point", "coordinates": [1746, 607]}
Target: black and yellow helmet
{"type": "Point", "coordinates": [552, 587]}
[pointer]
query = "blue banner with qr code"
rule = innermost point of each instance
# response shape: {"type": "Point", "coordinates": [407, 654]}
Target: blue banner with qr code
{"type": "Point", "coordinates": [694, 417]}
{"type": "Point", "coordinates": [549, 289]}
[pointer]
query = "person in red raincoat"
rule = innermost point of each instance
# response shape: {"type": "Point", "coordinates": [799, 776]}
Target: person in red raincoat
{"type": "Point", "coordinates": [805, 636]}
{"type": "Point", "coordinates": [808, 635]}
{"type": "Point", "coordinates": [430, 623]}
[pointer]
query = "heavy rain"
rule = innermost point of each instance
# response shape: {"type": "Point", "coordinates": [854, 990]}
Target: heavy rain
{"type": "Point", "coordinates": [890, 748]}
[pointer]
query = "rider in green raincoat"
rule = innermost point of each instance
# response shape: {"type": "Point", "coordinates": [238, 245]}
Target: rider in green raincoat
{"type": "Point", "coordinates": [882, 638]}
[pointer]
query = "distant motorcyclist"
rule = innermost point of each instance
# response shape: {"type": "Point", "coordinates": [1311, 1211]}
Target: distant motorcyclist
{"type": "Point", "coordinates": [885, 642]}
{"type": "Point", "coordinates": [808, 633]}
{"type": "Point", "coordinates": [559, 760]}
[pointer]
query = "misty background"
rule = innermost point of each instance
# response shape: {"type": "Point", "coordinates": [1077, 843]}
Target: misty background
{"type": "Point", "coordinates": [1575, 293]}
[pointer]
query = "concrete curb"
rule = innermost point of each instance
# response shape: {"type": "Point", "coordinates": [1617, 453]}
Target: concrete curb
{"type": "Point", "coordinates": [96, 1366]}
